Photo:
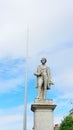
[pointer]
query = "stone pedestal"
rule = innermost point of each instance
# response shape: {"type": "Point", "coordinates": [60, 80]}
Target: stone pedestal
{"type": "Point", "coordinates": [43, 114]}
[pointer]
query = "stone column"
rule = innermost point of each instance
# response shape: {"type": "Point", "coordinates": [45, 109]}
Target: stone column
{"type": "Point", "coordinates": [43, 114]}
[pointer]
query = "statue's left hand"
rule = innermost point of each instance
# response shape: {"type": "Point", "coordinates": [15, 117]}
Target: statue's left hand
{"type": "Point", "coordinates": [51, 83]}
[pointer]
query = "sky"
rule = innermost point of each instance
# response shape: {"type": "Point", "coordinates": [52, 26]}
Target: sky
{"type": "Point", "coordinates": [50, 35]}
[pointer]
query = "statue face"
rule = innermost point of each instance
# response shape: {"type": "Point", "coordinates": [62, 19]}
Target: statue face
{"type": "Point", "coordinates": [43, 60]}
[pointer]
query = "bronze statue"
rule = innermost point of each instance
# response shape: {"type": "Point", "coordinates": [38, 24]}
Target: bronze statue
{"type": "Point", "coordinates": [43, 79]}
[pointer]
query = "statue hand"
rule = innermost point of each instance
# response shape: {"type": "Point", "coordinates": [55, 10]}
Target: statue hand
{"type": "Point", "coordinates": [51, 83]}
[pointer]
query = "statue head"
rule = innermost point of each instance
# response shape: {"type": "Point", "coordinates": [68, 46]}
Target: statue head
{"type": "Point", "coordinates": [43, 60]}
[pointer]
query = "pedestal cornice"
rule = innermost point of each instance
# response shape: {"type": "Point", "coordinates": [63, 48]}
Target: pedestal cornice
{"type": "Point", "coordinates": [43, 104]}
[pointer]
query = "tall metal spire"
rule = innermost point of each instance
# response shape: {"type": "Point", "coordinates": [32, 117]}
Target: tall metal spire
{"type": "Point", "coordinates": [26, 83]}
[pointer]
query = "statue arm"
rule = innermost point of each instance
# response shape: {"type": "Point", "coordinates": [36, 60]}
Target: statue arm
{"type": "Point", "coordinates": [37, 72]}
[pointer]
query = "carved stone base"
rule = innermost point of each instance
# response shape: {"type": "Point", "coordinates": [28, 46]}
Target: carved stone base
{"type": "Point", "coordinates": [43, 114]}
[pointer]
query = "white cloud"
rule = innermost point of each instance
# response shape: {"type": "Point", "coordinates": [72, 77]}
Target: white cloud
{"type": "Point", "coordinates": [12, 118]}
{"type": "Point", "coordinates": [12, 74]}
{"type": "Point", "coordinates": [10, 85]}
{"type": "Point", "coordinates": [11, 121]}
{"type": "Point", "coordinates": [67, 96]}
{"type": "Point", "coordinates": [58, 119]}
{"type": "Point", "coordinates": [50, 25]}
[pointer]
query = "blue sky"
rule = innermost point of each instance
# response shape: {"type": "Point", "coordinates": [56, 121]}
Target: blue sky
{"type": "Point", "coordinates": [51, 36]}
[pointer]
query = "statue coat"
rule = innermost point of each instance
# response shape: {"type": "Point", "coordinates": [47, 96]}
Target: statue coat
{"type": "Point", "coordinates": [43, 76]}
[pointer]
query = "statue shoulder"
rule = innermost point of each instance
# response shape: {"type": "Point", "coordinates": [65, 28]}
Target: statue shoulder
{"type": "Point", "coordinates": [48, 68]}
{"type": "Point", "coordinates": [39, 66]}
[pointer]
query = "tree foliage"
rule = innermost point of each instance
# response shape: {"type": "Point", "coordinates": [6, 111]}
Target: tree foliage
{"type": "Point", "coordinates": [67, 123]}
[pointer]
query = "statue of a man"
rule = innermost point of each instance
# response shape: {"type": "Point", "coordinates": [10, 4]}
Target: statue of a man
{"type": "Point", "coordinates": [43, 79]}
